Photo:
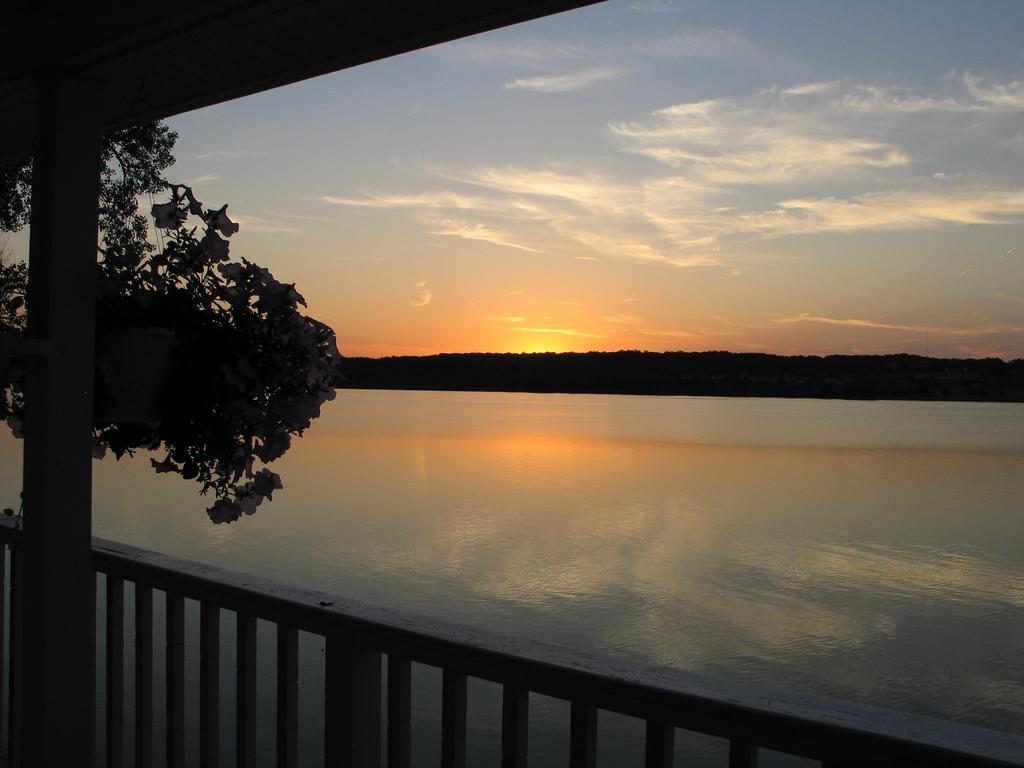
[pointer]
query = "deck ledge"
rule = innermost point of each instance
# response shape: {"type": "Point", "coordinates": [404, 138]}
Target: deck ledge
{"type": "Point", "coordinates": [794, 722]}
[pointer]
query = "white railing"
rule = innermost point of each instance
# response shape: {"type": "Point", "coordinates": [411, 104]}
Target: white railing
{"type": "Point", "coordinates": [357, 639]}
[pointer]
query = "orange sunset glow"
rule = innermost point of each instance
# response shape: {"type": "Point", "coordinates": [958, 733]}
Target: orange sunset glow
{"type": "Point", "coordinates": [646, 175]}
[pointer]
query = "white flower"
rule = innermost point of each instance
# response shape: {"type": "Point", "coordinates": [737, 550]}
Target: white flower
{"type": "Point", "coordinates": [215, 247]}
{"type": "Point", "coordinates": [219, 220]}
{"type": "Point", "coordinates": [167, 215]}
{"type": "Point", "coordinates": [194, 206]}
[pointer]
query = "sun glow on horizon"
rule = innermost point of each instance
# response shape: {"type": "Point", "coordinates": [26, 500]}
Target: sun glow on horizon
{"type": "Point", "coordinates": [612, 178]}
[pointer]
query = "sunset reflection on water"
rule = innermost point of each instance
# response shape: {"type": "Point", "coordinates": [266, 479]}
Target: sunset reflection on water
{"type": "Point", "coordinates": [850, 549]}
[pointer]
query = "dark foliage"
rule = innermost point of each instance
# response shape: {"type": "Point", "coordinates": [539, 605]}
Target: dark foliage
{"type": "Point", "coordinates": [859, 377]}
{"type": "Point", "coordinates": [132, 163]}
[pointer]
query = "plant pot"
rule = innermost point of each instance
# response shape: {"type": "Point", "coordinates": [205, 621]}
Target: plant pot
{"type": "Point", "coordinates": [134, 365]}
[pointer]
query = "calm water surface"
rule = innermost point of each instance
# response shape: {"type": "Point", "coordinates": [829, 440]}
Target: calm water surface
{"type": "Point", "coordinates": [865, 550]}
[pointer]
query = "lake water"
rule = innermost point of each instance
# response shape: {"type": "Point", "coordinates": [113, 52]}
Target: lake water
{"type": "Point", "coordinates": [872, 551]}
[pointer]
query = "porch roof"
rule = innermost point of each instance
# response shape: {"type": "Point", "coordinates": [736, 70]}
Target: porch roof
{"type": "Point", "coordinates": [157, 60]}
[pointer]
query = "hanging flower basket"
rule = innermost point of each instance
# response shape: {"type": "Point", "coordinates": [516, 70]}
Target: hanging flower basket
{"type": "Point", "coordinates": [133, 367]}
{"type": "Point", "coordinates": [205, 359]}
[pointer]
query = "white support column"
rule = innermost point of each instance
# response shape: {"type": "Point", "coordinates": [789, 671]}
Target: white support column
{"type": "Point", "coordinates": [58, 632]}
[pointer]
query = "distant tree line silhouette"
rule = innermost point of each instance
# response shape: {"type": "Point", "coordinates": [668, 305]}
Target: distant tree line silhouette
{"type": "Point", "coordinates": [857, 377]}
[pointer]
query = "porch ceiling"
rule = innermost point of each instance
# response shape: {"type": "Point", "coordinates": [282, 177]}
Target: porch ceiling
{"type": "Point", "coordinates": [159, 59]}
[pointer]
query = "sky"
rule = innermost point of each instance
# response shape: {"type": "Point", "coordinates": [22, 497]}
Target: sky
{"type": "Point", "coordinates": [792, 177]}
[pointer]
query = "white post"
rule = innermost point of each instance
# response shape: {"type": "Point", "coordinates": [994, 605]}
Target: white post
{"type": "Point", "coordinates": [58, 630]}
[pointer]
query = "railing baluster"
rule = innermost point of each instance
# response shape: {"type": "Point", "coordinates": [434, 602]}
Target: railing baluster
{"type": "Point", "coordinates": [287, 696]}
{"type": "Point", "coordinates": [352, 699]}
{"type": "Point", "coordinates": [14, 711]}
{"type": "Point", "coordinates": [582, 735]}
{"type": "Point", "coordinates": [143, 676]}
{"type": "Point", "coordinates": [209, 685]}
{"type": "Point", "coordinates": [353, 683]}
{"type": "Point", "coordinates": [175, 680]}
{"type": "Point", "coordinates": [115, 672]}
{"type": "Point", "coordinates": [3, 622]}
{"type": "Point", "coordinates": [515, 720]}
{"type": "Point", "coordinates": [399, 712]}
{"type": "Point", "coordinates": [453, 719]}
{"type": "Point", "coordinates": [659, 745]}
{"type": "Point", "coordinates": [742, 754]}
{"type": "Point", "coordinates": [245, 667]}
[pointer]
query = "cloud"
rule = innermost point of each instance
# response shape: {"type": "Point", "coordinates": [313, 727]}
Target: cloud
{"type": "Point", "coordinates": [206, 178]}
{"type": "Point", "coordinates": [1008, 95]}
{"type": "Point", "coordinates": [453, 228]}
{"type": "Point", "coordinates": [668, 333]}
{"type": "Point", "coordinates": [706, 43]}
{"type": "Point", "coordinates": [249, 223]}
{"type": "Point", "coordinates": [894, 99]}
{"type": "Point", "coordinates": [626, 245]}
{"type": "Point", "coordinates": [560, 331]}
{"type": "Point", "coordinates": [443, 200]}
{"type": "Point", "coordinates": [984, 330]}
{"type": "Point", "coordinates": [809, 89]}
{"type": "Point", "coordinates": [656, 6]}
{"type": "Point", "coordinates": [423, 295]}
{"type": "Point", "coordinates": [622, 319]}
{"type": "Point", "coordinates": [506, 318]}
{"type": "Point", "coordinates": [434, 200]}
{"type": "Point", "coordinates": [698, 183]}
{"type": "Point", "coordinates": [881, 211]}
{"type": "Point", "coordinates": [520, 53]}
{"type": "Point", "coordinates": [572, 81]}
{"type": "Point", "coordinates": [587, 190]}
{"type": "Point", "coordinates": [753, 142]}
{"type": "Point", "coordinates": [229, 154]}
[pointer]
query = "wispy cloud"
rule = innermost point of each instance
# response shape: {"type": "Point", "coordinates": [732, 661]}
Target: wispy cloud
{"type": "Point", "coordinates": [706, 43]}
{"type": "Point", "coordinates": [589, 190]}
{"type": "Point", "coordinates": [506, 318]}
{"type": "Point", "coordinates": [982, 330]}
{"type": "Point", "coordinates": [422, 297]}
{"type": "Point", "coordinates": [792, 160]}
{"type": "Point", "coordinates": [656, 6]}
{"type": "Point", "coordinates": [753, 142]}
{"type": "Point", "coordinates": [896, 99]}
{"type": "Point", "coordinates": [809, 89]}
{"type": "Point", "coordinates": [538, 53]}
{"type": "Point", "coordinates": [559, 331]}
{"type": "Point", "coordinates": [622, 319]}
{"type": "Point", "coordinates": [570, 81]}
{"type": "Point", "coordinates": [899, 210]}
{"type": "Point", "coordinates": [230, 154]}
{"type": "Point", "coordinates": [249, 223]}
{"type": "Point", "coordinates": [1008, 95]}
{"type": "Point", "coordinates": [443, 200]}
{"type": "Point", "coordinates": [668, 333]}
{"type": "Point", "coordinates": [467, 231]}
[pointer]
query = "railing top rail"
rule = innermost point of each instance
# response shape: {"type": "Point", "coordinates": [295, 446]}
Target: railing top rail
{"type": "Point", "coordinates": [798, 723]}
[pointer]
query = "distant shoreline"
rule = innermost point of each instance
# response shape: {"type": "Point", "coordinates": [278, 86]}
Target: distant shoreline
{"type": "Point", "coordinates": [702, 374]}
{"type": "Point", "coordinates": [345, 387]}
